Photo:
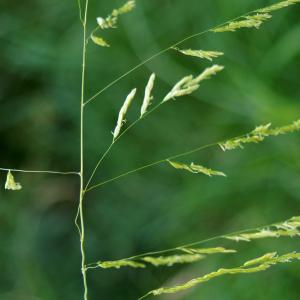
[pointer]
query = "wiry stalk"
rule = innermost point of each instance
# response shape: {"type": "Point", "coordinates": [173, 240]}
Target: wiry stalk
{"type": "Point", "coordinates": [82, 227]}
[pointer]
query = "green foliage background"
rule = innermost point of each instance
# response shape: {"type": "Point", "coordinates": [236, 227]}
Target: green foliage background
{"type": "Point", "coordinates": [161, 207]}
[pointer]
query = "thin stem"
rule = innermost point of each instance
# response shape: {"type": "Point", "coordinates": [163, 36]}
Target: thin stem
{"type": "Point", "coordinates": [40, 171]}
{"type": "Point", "coordinates": [150, 165]}
{"type": "Point", "coordinates": [81, 197]}
{"type": "Point", "coordinates": [98, 165]}
{"type": "Point", "coordinates": [158, 54]}
{"type": "Point", "coordinates": [80, 11]}
{"type": "Point", "coordinates": [92, 33]}
{"type": "Point", "coordinates": [164, 160]}
{"type": "Point", "coordinates": [116, 140]}
{"type": "Point", "coordinates": [124, 75]}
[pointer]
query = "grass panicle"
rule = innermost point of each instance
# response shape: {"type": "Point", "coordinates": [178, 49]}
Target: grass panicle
{"type": "Point", "coordinates": [186, 86]}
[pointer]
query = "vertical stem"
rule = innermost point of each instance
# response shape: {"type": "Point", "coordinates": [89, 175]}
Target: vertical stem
{"type": "Point", "coordinates": [82, 228]}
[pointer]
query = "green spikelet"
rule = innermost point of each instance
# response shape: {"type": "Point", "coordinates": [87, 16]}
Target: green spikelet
{"type": "Point", "coordinates": [207, 250]}
{"type": "Point", "coordinates": [277, 6]}
{"type": "Point", "coordinates": [111, 20]}
{"type": "Point", "coordinates": [172, 260]}
{"type": "Point", "coordinates": [195, 169]}
{"type": "Point", "coordinates": [188, 84]}
{"type": "Point", "coordinates": [210, 55]}
{"type": "Point", "coordinates": [258, 135]}
{"type": "Point", "coordinates": [99, 41]}
{"type": "Point", "coordinates": [289, 228]}
{"type": "Point", "coordinates": [11, 184]}
{"type": "Point", "coordinates": [117, 264]}
{"type": "Point", "coordinates": [252, 21]}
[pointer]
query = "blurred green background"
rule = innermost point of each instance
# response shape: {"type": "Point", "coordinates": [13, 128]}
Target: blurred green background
{"type": "Point", "coordinates": [160, 207]}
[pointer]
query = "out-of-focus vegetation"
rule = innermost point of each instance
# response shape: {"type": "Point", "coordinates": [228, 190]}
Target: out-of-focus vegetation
{"type": "Point", "coordinates": [158, 208]}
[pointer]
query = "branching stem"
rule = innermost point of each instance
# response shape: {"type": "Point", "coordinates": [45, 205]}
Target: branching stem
{"type": "Point", "coordinates": [116, 140]}
{"type": "Point", "coordinates": [81, 197]}
{"type": "Point", "coordinates": [131, 71]}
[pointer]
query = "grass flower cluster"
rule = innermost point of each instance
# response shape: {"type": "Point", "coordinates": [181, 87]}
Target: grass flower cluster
{"type": "Point", "coordinates": [184, 254]}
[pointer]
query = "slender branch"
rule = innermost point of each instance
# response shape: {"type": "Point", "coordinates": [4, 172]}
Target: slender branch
{"type": "Point", "coordinates": [76, 221]}
{"type": "Point", "coordinates": [40, 171]}
{"type": "Point", "coordinates": [158, 54]}
{"type": "Point", "coordinates": [98, 164]}
{"type": "Point", "coordinates": [125, 74]}
{"type": "Point", "coordinates": [95, 264]}
{"type": "Point", "coordinates": [92, 33]}
{"type": "Point", "coordinates": [164, 160]}
{"type": "Point", "coordinates": [150, 165]}
{"type": "Point", "coordinates": [81, 228]}
{"type": "Point", "coordinates": [116, 140]}
{"type": "Point", "coordinates": [80, 11]}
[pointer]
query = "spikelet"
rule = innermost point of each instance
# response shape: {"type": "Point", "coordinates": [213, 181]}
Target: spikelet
{"type": "Point", "coordinates": [122, 113]}
{"type": "Point", "coordinates": [187, 85]}
{"type": "Point", "coordinates": [181, 88]}
{"type": "Point", "coordinates": [277, 6]}
{"type": "Point", "coordinates": [99, 41]}
{"type": "Point", "coordinates": [256, 265]}
{"type": "Point", "coordinates": [148, 97]}
{"type": "Point", "coordinates": [252, 21]}
{"type": "Point", "coordinates": [200, 53]}
{"type": "Point", "coordinates": [287, 228]}
{"type": "Point", "coordinates": [260, 260]}
{"type": "Point", "coordinates": [262, 130]}
{"type": "Point", "coordinates": [172, 260]}
{"type": "Point", "coordinates": [195, 169]}
{"type": "Point", "coordinates": [295, 126]}
{"type": "Point", "coordinates": [264, 233]}
{"type": "Point", "coordinates": [207, 250]}
{"type": "Point", "coordinates": [293, 223]}
{"type": "Point", "coordinates": [126, 8]}
{"type": "Point", "coordinates": [207, 73]}
{"type": "Point", "coordinates": [11, 184]}
{"type": "Point", "coordinates": [239, 142]}
{"type": "Point", "coordinates": [111, 20]}
{"type": "Point", "coordinates": [117, 264]}
{"type": "Point", "coordinates": [259, 134]}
